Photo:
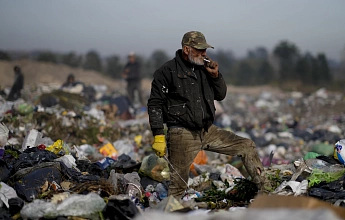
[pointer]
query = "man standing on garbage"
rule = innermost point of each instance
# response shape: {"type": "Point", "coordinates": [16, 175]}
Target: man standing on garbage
{"type": "Point", "coordinates": [17, 86]}
{"type": "Point", "coordinates": [132, 75]}
{"type": "Point", "coordinates": [182, 95]}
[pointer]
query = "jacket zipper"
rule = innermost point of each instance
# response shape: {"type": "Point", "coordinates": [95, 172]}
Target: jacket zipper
{"type": "Point", "coordinates": [202, 110]}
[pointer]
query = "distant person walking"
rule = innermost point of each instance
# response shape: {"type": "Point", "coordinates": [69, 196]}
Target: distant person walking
{"type": "Point", "coordinates": [132, 74]}
{"type": "Point", "coordinates": [17, 86]}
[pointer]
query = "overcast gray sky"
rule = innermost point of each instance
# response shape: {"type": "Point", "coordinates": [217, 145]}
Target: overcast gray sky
{"type": "Point", "coordinates": [118, 27]}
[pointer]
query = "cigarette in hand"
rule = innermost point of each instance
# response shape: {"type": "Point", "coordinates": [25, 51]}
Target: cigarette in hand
{"type": "Point", "coordinates": [206, 60]}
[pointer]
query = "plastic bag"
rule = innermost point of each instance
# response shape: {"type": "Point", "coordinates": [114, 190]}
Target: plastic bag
{"type": "Point", "coordinates": [124, 146]}
{"type": "Point", "coordinates": [323, 148]}
{"type": "Point", "coordinates": [25, 109]}
{"type": "Point", "coordinates": [298, 188]}
{"type": "Point", "coordinates": [16, 204]}
{"type": "Point", "coordinates": [68, 160]}
{"type": "Point", "coordinates": [29, 180]}
{"type": "Point", "coordinates": [326, 194]}
{"type": "Point", "coordinates": [200, 159]}
{"type": "Point", "coordinates": [33, 156]}
{"type": "Point", "coordinates": [134, 188]}
{"type": "Point", "coordinates": [155, 167]}
{"type": "Point", "coordinates": [4, 171]}
{"type": "Point", "coordinates": [120, 208]}
{"type": "Point", "coordinates": [3, 134]}
{"type": "Point", "coordinates": [109, 150]}
{"type": "Point", "coordinates": [74, 205]}
{"type": "Point", "coordinates": [58, 148]}
{"type": "Point", "coordinates": [125, 164]}
{"type": "Point", "coordinates": [32, 139]}
{"type": "Point", "coordinates": [310, 155]}
{"type": "Point", "coordinates": [319, 176]}
{"type": "Point", "coordinates": [6, 193]}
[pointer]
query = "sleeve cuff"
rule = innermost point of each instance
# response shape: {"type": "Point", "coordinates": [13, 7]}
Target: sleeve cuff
{"type": "Point", "coordinates": [157, 132]}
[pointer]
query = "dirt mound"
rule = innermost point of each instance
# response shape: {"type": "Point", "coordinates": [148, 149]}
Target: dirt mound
{"type": "Point", "coordinates": [48, 73]}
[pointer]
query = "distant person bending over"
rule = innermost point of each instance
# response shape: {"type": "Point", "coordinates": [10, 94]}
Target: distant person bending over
{"type": "Point", "coordinates": [132, 75]}
{"type": "Point", "coordinates": [17, 86]}
{"type": "Point", "coordinates": [182, 96]}
{"type": "Point", "coordinates": [71, 85]}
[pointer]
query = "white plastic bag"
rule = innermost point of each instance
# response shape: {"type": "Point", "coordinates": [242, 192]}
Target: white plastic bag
{"type": "Point", "coordinates": [6, 193]}
{"type": "Point", "coordinates": [3, 135]}
{"type": "Point", "coordinates": [74, 205]}
{"type": "Point", "coordinates": [68, 160]}
{"type": "Point", "coordinates": [32, 139]}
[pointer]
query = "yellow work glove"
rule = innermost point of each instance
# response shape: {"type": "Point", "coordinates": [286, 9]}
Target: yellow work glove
{"type": "Point", "coordinates": [159, 145]}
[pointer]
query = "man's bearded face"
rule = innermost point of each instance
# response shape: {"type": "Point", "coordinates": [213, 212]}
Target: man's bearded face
{"type": "Point", "coordinates": [196, 56]}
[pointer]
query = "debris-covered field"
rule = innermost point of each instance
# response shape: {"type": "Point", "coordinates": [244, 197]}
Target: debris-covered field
{"type": "Point", "coordinates": [88, 156]}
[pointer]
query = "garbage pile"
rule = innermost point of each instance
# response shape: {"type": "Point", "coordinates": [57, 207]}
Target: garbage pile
{"type": "Point", "coordinates": [66, 156]}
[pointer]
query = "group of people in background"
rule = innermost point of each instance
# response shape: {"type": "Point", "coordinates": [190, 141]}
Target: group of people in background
{"type": "Point", "coordinates": [131, 73]}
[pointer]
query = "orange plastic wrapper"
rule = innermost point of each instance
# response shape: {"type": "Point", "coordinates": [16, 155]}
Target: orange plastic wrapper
{"type": "Point", "coordinates": [200, 159]}
{"type": "Point", "coordinates": [109, 151]}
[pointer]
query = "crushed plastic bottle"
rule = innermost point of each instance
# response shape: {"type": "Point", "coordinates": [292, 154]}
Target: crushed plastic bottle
{"type": "Point", "coordinates": [339, 151]}
{"type": "Point", "coordinates": [153, 199]}
{"type": "Point", "coordinates": [161, 190]}
{"type": "Point", "coordinates": [134, 188]}
{"type": "Point", "coordinates": [105, 162]}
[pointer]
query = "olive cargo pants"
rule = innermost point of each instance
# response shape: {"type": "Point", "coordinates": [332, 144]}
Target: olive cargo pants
{"type": "Point", "coordinates": [184, 145]}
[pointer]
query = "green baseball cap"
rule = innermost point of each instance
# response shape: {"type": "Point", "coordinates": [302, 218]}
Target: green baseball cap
{"type": "Point", "coordinates": [195, 39]}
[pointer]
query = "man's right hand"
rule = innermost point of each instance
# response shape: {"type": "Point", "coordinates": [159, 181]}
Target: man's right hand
{"type": "Point", "coordinates": [212, 68]}
{"type": "Point", "coordinates": [159, 145]}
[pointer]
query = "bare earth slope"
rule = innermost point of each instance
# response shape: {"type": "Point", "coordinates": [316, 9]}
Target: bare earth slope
{"type": "Point", "coordinates": [48, 73]}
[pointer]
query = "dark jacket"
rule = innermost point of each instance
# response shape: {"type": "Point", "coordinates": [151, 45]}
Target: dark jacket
{"type": "Point", "coordinates": [134, 71]}
{"type": "Point", "coordinates": [175, 97]}
{"type": "Point", "coordinates": [17, 86]}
